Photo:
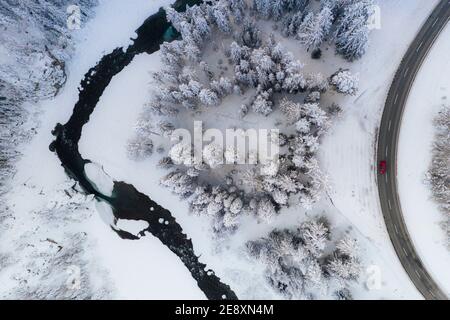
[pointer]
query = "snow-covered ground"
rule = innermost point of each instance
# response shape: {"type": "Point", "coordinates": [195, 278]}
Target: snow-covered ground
{"type": "Point", "coordinates": [137, 269]}
{"type": "Point", "coordinates": [347, 156]}
{"type": "Point", "coordinates": [145, 268]}
{"type": "Point", "coordinates": [430, 91]}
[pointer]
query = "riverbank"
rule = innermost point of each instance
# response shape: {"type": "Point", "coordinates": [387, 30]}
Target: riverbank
{"type": "Point", "coordinates": [40, 175]}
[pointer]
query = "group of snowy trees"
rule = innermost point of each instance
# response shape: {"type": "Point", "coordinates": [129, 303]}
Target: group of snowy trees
{"type": "Point", "coordinates": [439, 173]}
{"type": "Point", "coordinates": [247, 63]}
{"type": "Point", "coordinates": [343, 21]}
{"type": "Point", "coordinates": [299, 264]}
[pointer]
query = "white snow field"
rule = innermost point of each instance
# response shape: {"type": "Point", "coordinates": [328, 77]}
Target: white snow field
{"type": "Point", "coordinates": [101, 181]}
{"type": "Point", "coordinates": [131, 269]}
{"type": "Point", "coordinates": [347, 155]}
{"type": "Point", "coordinates": [430, 91]}
{"type": "Point", "coordinates": [145, 269]}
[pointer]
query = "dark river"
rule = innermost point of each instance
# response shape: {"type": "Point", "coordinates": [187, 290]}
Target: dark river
{"type": "Point", "coordinates": [126, 201]}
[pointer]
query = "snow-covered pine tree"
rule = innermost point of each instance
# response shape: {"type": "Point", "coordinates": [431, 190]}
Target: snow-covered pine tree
{"type": "Point", "coordinates": [172, 54]}
{"type": "Point", "coordinates": [261, 66]}
{"type": "Point", "coordinates": [192, 51]}
{"type": "Point", "coordinates": [237, 8]}
{"type": "Point", "coordinates": [250, 34]}
{"type": "Point", "coordinates": [345, 82]}
{"type": "Point", "coordinates": [222, 19]}
{"type": "Point", "coordinates": [277, 9]}
{"type": "Point", "coordinates": [174, 17]}
{"type": "Point", "coordinates": [235, 52]}
{"type": "Point", "coordinates": [437, 176]}
{"type": "Point", "coordinates": [181, 153]}
{"type": "Point", "coordinates": [291, 23]}
{"type": "Point", "coordinates": [348, 247]}
{"type": "Point", "coordinates": [316, 82]}
{"type": "Point", "coordinates": [296, 266]}
{"type": "Point", "coordinates": [262, 104]}
{"type": "Point", "coordinates": [199, 22]}
{"type": "Point", "coordinates": [314, 277]}
{"type": "Point", "coordinates": [200, 200]}
{"type": "Point", "coordinates": [315, 235]}
{"type": "Point", "coordinates": [345, 270]}
{"type": "Point", "coordinates": [313, 97]}
{"type": "Point", "coordinates": [296, 5]}
{"type": "Point", "coordinates": [236, 206]}
{"type": "Point", "coordinates": [165, 163]}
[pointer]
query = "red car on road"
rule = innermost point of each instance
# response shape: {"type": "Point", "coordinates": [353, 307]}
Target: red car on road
{"type": "Point", "coordinates": [382, 167]}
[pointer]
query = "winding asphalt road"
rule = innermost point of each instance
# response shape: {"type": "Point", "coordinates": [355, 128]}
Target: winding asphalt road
{"type": "Point", "coordinates": [387, 150]}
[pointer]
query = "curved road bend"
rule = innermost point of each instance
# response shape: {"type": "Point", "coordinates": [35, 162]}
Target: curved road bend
{"type": "Point", "coordinates": [387, 150]}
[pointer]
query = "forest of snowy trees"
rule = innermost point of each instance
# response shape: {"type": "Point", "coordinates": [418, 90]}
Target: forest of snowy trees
{"type": "Point", "coordinates": [35, 43]}
{"type": "Point", "coordinates": [225, 61]}
{"type": "Point", "coordinates": [305, 264]}
{"type": "Point", "coordinates": [439, 173]}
